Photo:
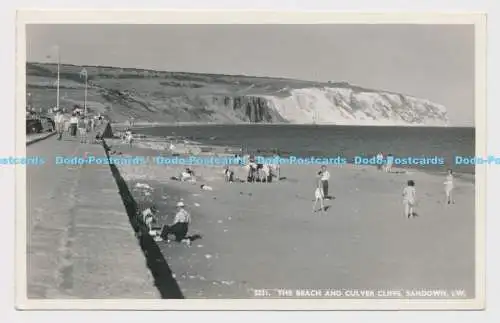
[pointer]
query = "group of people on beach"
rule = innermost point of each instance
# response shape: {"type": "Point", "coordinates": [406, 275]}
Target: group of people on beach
{"type": "Point", "coordinates": [410, 194]}
{"type": "Point", "coordinates": [258, 172]}
{"type": "Point", "coordinates": [264, 173]}
{"type": "Point", "coordinates": [385, 164]}
{"type": "Point", "coordinates": [77, 122]}
{"type": "Point", "coordinates": [178, 228]}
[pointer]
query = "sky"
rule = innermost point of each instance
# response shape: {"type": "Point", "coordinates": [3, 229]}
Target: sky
{"type": "Point", "coordinates": [435, 62]}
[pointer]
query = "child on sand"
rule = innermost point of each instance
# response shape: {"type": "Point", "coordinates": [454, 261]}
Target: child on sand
{"type": "Point", "coordinates": [319, 196]}
{"type": "Point", "coordinates": [129, 138]}
{"type": "Point", "coordinates": [187, 176]}
{"type": "Point", "coordinates": [276, 170]}
{"type": "Point", "coordinates": [388, 165]}
{"type": "Point", "coordinates": [324, 176]}
{"type": "Point", "coordinates": [149, 218]}
{"type": "Point", "coordinates": [380, 160]}
{"type": "Point", "coordinates": [98, 138]}
{"type": "Point", "coordinates": [228, 175]}
{"type": "Point", "coordinates": [409, 197]}
{"type": "Point", "coordinates": [448, 187]}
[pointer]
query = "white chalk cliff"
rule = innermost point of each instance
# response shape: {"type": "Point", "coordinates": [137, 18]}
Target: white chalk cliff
{"type": "Point", "coordinates": [328, 105]}
{"type": "Point", "coordinates": [344, 106]}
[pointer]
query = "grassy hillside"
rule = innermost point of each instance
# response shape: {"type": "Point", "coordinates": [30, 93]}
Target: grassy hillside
{"type": "Point", "coordinates": [170, 97]}
{"type": "Point", "coordinates": [149, 95]}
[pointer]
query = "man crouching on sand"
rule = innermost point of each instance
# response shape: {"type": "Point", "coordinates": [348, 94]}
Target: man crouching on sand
{"type": "Point", "coordinates": [179, 227]}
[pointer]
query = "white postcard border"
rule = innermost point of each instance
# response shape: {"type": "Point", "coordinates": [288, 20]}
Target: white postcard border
{"type": "Point", "coordinates": [248, 17]}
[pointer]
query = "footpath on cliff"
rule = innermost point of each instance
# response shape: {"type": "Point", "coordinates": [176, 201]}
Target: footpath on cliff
{"type": "Point", "coordinates": [80, 243]}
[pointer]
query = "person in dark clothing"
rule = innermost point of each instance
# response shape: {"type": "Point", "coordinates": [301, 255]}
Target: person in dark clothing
{"type": "Point", "coordinates": [258, 172]}
{"type": "Point", "coordinates": [324, 177]}
{"type": "Point", "coordinates": [73, 124]}
{"type": "Point", "coordinates": [179, 228]}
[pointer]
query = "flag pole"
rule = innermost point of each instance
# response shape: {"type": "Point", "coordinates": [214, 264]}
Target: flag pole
{"type": "Point", "coordinates": [85, 74]}
{"type": "Point", "coordinates": [85, 99]}
{"type": "Point", "coordinates": [58, 75]}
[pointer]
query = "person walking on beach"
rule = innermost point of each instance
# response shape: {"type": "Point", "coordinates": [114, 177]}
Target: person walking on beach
{"type": "Point", "coordinates": [129, 138]}
{"type": "Point", "coordinates": [59, 121]}
{"type": "Point", "coordinates": [319, 196]}
{"type": "Point", "coordinates": [409, 197]}
{"type": "Point", "coordinates": [179, 226]}
{"type": "Point", "coordinates": [82, 129]}
{"type": "Point", "coordinates": [448, 187]}
{"type": "Point", "coordinates": [388, 166]}
{"type": "Point", "coordinates": [380, 161]}
{"type": "Point", "coordinates": [324, 177]}
{"type": "Point", "coordinates": [276, 169]}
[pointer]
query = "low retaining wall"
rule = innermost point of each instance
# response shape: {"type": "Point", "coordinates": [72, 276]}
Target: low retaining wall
{"type": "Point", "coordinates": [162, 274]}
{"type": "Point", "coordinates": [31, 139]}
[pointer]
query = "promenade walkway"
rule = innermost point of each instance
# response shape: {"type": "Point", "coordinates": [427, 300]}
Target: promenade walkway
{"type": "Point", "coordinates": [80, 243]}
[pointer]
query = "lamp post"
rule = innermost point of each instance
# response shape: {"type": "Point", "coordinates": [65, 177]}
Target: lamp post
{"type": "Point", "coordinates": [84, 74]}
{"type": "Point", "coordinates": [58, 74]}
{"type": "Point", "coordinates": [50, 56]}
{"type": "Point", "coordinates": [30, 102]}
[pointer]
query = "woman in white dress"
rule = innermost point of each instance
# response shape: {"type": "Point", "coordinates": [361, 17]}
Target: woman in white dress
{"type": "Point", "coordinates": [448, 187]}
{"type": "Point", "coordinates": [409, 198]}
{"type": "Point", "coordinates": [128, 137]}
{"type": "Point", "coordinates": [319, 196]}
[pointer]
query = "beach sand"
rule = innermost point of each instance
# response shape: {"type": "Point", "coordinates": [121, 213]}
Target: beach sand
{"type": "Point", "coordinates": [265, 235]}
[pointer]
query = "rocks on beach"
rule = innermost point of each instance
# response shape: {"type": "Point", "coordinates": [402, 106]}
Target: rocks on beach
{"type": "Point", "coordinates": [143, 186]}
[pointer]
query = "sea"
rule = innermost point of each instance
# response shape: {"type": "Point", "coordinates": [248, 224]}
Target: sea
{"type": "Point", "coordinates": [330, 141]}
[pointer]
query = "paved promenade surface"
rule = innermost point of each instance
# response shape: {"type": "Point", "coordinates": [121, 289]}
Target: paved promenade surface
{"type": "Point", "coordinates": [79, 241]}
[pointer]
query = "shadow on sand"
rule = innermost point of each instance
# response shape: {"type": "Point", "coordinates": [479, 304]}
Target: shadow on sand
{"type": "Point", "coordinates": [194, 237]}
{"type": "Point", "coordinates": [325, 208]}
{"type": "Point", "coordinates": [164, 282]}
